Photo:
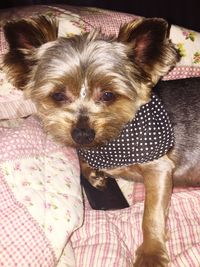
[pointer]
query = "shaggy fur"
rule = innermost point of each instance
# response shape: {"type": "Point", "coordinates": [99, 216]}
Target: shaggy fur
{"type": "Point", "coordinates": [88, 87]}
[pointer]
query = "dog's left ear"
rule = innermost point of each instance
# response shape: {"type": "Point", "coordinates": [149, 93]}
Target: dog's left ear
{"type": "Point", "coordinates": [24, 37]}
{"type": "Point", "coordinates": [150, 48]}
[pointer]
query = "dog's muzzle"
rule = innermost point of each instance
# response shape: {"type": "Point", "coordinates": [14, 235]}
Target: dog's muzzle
{"type": "Point", "coordinates": [83, 136]}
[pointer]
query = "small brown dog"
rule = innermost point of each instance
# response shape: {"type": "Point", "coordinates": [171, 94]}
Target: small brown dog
{"type": "Point", "coordinates": [95, 93]}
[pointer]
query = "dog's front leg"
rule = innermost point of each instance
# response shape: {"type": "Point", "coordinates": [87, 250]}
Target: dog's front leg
{"type": "Point", "coordinates": [95, 177]}
{"type": "Point", "coordinates": [158, 186]}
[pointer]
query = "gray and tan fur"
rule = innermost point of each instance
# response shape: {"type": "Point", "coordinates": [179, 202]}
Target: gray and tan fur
{"type": "Point", "coordinates": [88, 87]}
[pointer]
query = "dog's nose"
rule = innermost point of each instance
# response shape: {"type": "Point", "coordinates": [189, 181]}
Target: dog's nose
{"type": "Point", "coordinates": [83, 136]}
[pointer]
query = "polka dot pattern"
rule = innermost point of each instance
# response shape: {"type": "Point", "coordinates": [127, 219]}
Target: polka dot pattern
{"type": "Point", "coordinates": [147, 137]}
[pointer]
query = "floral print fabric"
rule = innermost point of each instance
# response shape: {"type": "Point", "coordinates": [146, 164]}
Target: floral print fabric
{"type": "Point", "coordinates": [41, 177]}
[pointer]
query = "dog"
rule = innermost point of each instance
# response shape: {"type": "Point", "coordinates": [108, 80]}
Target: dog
{"type": "Point", "coordinates": [103, 96]}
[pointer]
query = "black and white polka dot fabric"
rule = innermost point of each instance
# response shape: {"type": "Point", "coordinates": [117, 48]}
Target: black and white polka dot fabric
{"type": "Point", "coordinates": [147, 137]}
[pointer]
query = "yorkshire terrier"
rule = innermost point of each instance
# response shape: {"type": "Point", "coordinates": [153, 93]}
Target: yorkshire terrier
{"type": "Point", "coordinates": [95, 93]}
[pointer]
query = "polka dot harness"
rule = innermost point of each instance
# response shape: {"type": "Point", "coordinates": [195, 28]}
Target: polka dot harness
{"type": "Point", "coordinates": [147, 137]}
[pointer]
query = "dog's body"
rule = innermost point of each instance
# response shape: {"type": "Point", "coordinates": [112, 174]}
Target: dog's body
{"type": "Point", "coordinates": [181, 99]}
{"type": "Point", "coordinates": [88, 88]}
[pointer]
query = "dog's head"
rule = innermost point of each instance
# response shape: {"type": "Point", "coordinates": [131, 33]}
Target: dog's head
{"type": "Point", "coordinates": [87, 87]}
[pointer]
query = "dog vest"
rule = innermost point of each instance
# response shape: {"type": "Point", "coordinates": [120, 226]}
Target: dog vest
{"type": "Point", "coordinates": [147, 137]}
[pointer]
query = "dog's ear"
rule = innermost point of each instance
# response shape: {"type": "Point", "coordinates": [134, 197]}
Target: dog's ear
{"type": "Point", "coordinates": [150, 48]}
{"type": "Point", "coordinates": [30, 33]}
{"type": "Point", "coordinates": [24, 37]}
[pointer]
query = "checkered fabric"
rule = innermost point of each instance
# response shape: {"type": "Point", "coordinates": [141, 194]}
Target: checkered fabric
{"type": "Point", "coordinates": [110, 238]}
{"type": "Point", "coordinates": [40, 196]}
{"type": "Point", "coordinates": [22, 243]}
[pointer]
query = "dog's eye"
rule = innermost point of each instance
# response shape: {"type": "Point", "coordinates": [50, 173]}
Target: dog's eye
{"type": "Point", "coordinates": [107, 96]}
{"type": "Point", "coordinates": [59, 96]}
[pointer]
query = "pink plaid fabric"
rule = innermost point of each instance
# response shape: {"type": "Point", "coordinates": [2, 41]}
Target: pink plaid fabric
{"type": "Point", "coordinates": [17, 108]}
{"type": "Point", "coordinates": [14, 141]}
{"type": "Point", "coordinates": [37, 199]}
{"type": "Point", "coordinates": [22, 242]}
{"type": "Point", "coordinates": [110, 238]}
{"type": "Point", "coordinates": [182, 72]}
{"type": "Point", "coordinates": [108, 21]}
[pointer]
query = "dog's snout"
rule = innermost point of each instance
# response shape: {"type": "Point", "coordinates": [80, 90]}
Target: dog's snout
{"type": "Point", "coordinates": [83, 136]}
{"type": "Point", "coordinates": [82, 133]}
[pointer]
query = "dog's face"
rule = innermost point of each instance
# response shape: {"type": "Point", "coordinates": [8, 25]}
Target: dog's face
{"type": "Point", "coordinates": [87, 87]}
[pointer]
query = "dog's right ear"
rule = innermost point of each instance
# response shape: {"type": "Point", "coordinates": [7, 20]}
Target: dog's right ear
{"type": "Point", "coordinates": [24, 37]}
{"type": "Point", "coordinates": [151, 49]}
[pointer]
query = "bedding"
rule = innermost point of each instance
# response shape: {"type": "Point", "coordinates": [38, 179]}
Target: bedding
{"type": "Point", "coordinates": [42, 219]}
{"type": "Point", "coordinates": [110, 238]}
{"type": "Point", "coordinates": [40, 196]}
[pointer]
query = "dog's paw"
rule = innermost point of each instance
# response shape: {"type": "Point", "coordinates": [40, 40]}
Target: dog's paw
{"type": "Point", "coordinates": [98, 180]}
{"type": "Point", "coordinates": [153, 257]}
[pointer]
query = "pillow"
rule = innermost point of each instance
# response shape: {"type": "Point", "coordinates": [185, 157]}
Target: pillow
{"type": "Point", "coordinates": [40, 196]}
{"type": "Point", "coordinates": [74, 20]}
{"type": "Point", "coordinates": [12, 103]}
{"type": "Point", "coordinates": [186, 41]}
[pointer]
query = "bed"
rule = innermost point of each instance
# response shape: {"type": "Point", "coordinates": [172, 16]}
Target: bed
{"type": "Point", "coordinates": [45, 219]}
